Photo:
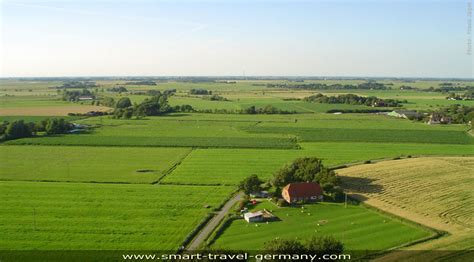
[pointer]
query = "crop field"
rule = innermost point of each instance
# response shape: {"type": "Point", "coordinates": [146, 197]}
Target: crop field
{"type": "Point", "coordinates": [87, 164]}
{"type": "Point", "coordinates": [357, 227]}
{"type": "Point", "coordinates": [84, 216]}
{"type": "Point", "coordinates": [434, 191]}
{"type": "Point", "coordinates": [369, 135]}
{"type": "Point", "coordinates": [167, 132]}
{"type": "Point", "coordinates": [230, 166]}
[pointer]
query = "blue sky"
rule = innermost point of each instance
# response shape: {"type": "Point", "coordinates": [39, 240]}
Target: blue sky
{"type": "Point", "coordinates": [263, 37]}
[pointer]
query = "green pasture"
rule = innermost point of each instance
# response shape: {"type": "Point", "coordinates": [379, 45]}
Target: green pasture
{"type": "Point", "coordinates": [369, 135]}
{"type": "Point", "coordinates": [31, 101]}
{"type": "Point", "coordinates": [230, 166]}
{"type": "Point", "coordinates": [87, 164]}
{"type": "Point", "coordinates": [85, 216]}
{"type": "Point", "coordinates": [167, 132]}
{"type": "Point", "coordinates": [359, 228]}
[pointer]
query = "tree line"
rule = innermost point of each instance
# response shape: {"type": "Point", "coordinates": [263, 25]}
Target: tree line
{"type": "Point", "coordinates": [370, 85]}
{"type": "Point", "coordinates": [75, 95]}
{"type": "Point", "coordinates": [352, 99]}
{"type": "Point", "coordinates": [77, 84]}
{"type": "Point", "coordinates": [20, 129]}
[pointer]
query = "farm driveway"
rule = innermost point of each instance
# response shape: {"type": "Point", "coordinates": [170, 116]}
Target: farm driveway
{"type": "Point", "coordinates": [207, 230]}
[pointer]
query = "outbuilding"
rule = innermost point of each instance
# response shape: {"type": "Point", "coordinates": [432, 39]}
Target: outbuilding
{"type": "Point", "coordinates": [253, 217]}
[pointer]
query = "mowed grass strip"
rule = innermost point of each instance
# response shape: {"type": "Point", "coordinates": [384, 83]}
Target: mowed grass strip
{"type": "Point", "coordinates": [230, 166]}
{"type": "Point", "coordinates": [87, 164]}
{"type": "Point", "coordinates": [369, 135]}
{"type": "Point", "coordinates": [357, 227]}
{"type": "Point", "coordinates": [149, 141]}
{"type": "Point", "coordinates": [84, 216]}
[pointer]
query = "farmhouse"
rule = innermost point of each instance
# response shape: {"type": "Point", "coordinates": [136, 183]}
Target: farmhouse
{"type": "Point", "coordinates": [308, 191]}
{"type": "Point", "coordinates": [403, 114]}
{"type": "Point", "coordinates": [439, 119]}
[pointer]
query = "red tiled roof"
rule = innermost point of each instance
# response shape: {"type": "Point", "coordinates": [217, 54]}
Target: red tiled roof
{"type": "Point", "coordinates": [303, 189]}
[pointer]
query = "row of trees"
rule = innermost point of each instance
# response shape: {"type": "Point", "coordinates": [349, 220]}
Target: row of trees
{"type": "Point", "coordinates": [118, 89]}
{"type": "Point", "coordinates": [352, 99]}
{"type": "Point", "coordinates": [75, 95]}
{"type": "Point", "coordinates": [200, 92]}
{"type": "Point", "coordinates": [468, 95]}
{"type": "Point", "coordinates": [449, 88]}
{"type": "Point", "coordinates": [77, 84]}
{"type": "Point", "coordinates": [314, 245]}
{"type": "Point", "coordinates": [141, 83]}
{"type": "Point", "coordinates": [19, 128]}
{"type": "Point", "coordinates": [154, 106]}
{"type": "Point", "coordinates": [459, 114]}
{"type": "Point", "coordinates": [215, 98]}
{"type": "Point", "coordinates": [268, 109]}
{"type": "Point", "coordinates": [370, 85]}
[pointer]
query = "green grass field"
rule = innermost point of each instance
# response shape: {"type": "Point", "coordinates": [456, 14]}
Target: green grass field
{"type": "Point", "coordinates": [357, 227]}
{"type": "Point", "coordinates": [87, 164]}
{"type": "Point", "coordinates": [230, 166]}
{"type": "Point", "coordinates": [84, 216]}
{"type": "Point", "coordinates": [93, 190]}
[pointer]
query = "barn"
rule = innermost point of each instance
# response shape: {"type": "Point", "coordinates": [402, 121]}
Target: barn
{"type": "Point", "coordinates": [302, 191]}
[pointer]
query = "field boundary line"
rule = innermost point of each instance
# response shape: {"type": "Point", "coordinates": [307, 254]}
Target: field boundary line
{"type": "Point", "coordinates": [173, 167]}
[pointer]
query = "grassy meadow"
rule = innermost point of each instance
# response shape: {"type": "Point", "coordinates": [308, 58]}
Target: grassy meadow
{"type": "Point", "coordinates": [87, 164]}
{"type": "Point", "coordinates": [86, 216]}
{"type": "Point", "coordinates": [357, 227]}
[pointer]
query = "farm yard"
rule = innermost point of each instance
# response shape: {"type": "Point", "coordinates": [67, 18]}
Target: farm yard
{"type": "Point", "coordinates": [147, 182]}
{"type": "Point", "coordinates": [359, 228]}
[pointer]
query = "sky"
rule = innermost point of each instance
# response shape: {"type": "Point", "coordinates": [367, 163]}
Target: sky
{"type": "Point", "coordinates": [383, 38]}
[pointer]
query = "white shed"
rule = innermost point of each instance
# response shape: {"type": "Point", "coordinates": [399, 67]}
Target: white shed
{"type": "Point", "coordinates": [252, 217]}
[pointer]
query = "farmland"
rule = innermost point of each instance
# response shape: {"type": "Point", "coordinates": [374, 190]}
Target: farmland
{"type": "Point", "coordinates": [65, 216]}
{"type": "Point", "coordinates": [230, 166]}
{"type": "Point", "coordinates": [433, 191]}
{"type": "Point", "coordinates": [356, 226]}
{"type": "Point", "coordinates": [87, 164]}
{"type": "Point", "coordinates": [147, 182]}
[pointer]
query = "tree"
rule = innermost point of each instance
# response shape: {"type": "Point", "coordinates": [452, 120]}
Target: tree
{"type": "Point", "coordinates": [123, 102]}
{"type": "Point", "coordinates": [324, 245]}
{"type": "Point", "coordinates": [108, 101]}
{"type": "Point", "coordinates": [301, 170]}
{"type": "Point", "coordinates": [251, 184]}
{"type": "Point", "coordinates": [57, 126]}
{"type": "Point", "coordinates": [18, 129]}
{"type": "Point", "coordinates": [283, 246]}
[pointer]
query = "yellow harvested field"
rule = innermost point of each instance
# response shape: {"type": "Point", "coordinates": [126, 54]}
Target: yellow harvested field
{"type": "Point", "coordinates": [434, 191]}
{"type": "Point", "coordinates": [50, 110]}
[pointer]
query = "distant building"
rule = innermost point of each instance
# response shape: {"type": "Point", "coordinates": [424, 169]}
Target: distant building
{"type": "Point", "coordinates": [436, 119]}
{"type": "Point", "coordinates": [85, 98]}
{"type": "Point", "coordinates": [306, 191]}
{"type": "Point", "coordinates": [408, 114]}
